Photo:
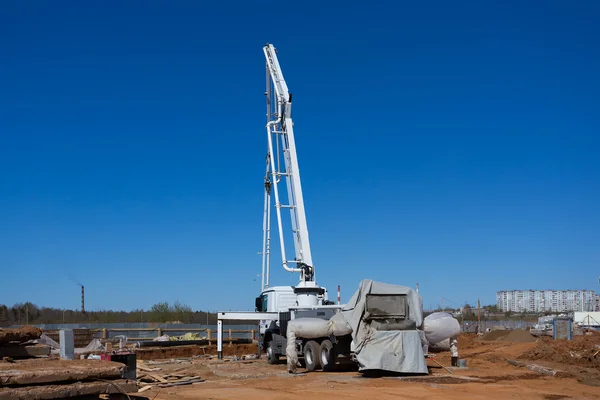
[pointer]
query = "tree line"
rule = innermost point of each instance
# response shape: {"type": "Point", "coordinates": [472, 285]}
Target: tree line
{"type": "Point", "coordinates": [163, 312]}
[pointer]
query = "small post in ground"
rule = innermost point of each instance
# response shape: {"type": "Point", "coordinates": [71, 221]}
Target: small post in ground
{"type": "Point", "coordinates": [220, 340]}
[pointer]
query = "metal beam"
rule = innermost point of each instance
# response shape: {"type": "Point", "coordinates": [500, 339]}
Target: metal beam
{"type": "Point", "coordinates": [239, 316]}
{"type": "Point", "coordinates": [220, 339]}
{"type": "Point", "coordinates": [247, 316]}
{"type": "Point", "coordinates": [317, 307]}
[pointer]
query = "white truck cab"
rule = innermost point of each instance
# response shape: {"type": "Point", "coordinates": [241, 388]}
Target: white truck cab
{"type": "Point", "coordinates": [280, 299]}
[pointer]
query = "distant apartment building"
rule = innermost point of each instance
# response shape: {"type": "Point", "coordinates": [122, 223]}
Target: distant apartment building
{"type": "Point", "coordinates": [547, 300]}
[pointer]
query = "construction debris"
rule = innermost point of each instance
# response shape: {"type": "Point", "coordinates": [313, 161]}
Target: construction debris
{"type": "Point", "coordinates": [21, 343]}
{"type": "Point", "coordinates": [74, 389]}
{"type": "Point", "coordinates": [19, 335]}
{"type": "Point", "coordinates": [32, 372]}
{"type": "Point", "coordinates": [534, 367]}
{"type": "Point", "coordinates": [148, 378]}
{"type": "Point", "coordinates": [52, 379]}
{"type": "Point", "coordinates": [187, 337]}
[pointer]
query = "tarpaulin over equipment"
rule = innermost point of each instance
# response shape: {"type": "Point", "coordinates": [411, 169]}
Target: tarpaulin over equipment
{"type": "Point", "coordinates": [379, 343]}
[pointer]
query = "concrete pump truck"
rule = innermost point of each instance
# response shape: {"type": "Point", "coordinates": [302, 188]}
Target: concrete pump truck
{"type": "Point", "coordinates": [379, 327]}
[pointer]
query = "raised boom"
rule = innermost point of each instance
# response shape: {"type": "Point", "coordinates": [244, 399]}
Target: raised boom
{"type": "Point", "coordinates": [281, 144]}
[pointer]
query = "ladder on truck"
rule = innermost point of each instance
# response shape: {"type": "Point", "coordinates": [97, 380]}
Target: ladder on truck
{"type": "Point", "coordinates": [281, 163]}
{"type": "Point", "coordinates": [282, 145]}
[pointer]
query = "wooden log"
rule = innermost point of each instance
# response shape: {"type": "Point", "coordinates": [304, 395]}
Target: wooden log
{"type": "Point", "coordinates": [50, 371]}
{"type": "Point", "coordinates": [47, 392]}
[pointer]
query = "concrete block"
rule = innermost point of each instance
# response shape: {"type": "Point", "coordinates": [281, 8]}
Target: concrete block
{"type": "Point", "coordinates": [67, 344]}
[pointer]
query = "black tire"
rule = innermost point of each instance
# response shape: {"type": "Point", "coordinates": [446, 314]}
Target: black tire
{"type": "Point", "coordinates": [311, 355]}
{"type": "Point", "coordinates": [272, 357]}
{"type": "Point", "coordinates": [327, 355]}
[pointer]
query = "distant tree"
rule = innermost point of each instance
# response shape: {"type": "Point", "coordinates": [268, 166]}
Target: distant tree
{"type": "Point", "coordinates": [160, 308]}
{"type": "Point", "coordinates": [467, 310]}
{"type": "Point", "coordinates": [4, 318]}
{"type": "Point", "coordinates": [182, 312]}
{"type": "Point", "coordinates": [492, 308]}
{"type": "Point", "coordinates": [20, 313]}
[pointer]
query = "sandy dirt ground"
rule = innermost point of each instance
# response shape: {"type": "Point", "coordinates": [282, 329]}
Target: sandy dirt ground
{"type": "Point", "coordinates": [488, 376]}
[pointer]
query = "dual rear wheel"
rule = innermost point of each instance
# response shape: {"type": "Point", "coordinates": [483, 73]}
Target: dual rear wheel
{"type": "Point", "coordinates": [272, 357]}
{"type": "Point", "coordinates": [319, 355]}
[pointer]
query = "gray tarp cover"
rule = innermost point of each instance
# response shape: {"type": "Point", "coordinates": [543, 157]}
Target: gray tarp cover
{"type": "Point", "coordinates": [398, 351]}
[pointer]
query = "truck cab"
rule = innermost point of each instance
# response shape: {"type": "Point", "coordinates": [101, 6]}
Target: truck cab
{"type": "Point", "coordinates": [279, 299]}
{"type": "Point", "coordinates": [275, 299]}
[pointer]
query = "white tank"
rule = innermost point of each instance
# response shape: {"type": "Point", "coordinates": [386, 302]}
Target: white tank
{"type": "Point", "coordinates": [440, 326]}
{"type": "Point", "coordinates": [307, 299]}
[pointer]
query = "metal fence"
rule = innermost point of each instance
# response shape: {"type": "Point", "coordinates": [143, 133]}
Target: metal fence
{"type": "Point", "coordinates": [471, 326]}
{"type": "Point", "coordinates": [147, 331]}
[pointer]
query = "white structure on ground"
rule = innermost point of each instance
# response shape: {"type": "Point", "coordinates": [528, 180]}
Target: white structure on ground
{"type": "Point", "coordinates": [546, 300]}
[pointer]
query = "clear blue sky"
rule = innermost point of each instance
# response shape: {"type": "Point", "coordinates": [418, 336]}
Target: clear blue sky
{"type": "Point", "coordinates": [451, 144]}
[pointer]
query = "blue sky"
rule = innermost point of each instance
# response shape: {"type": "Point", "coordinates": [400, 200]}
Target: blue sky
{"type": "Point", "coordinates": [450, 144]}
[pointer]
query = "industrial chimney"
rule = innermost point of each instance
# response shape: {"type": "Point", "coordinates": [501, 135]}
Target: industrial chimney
{"type": "Point", "coordinates": [82, 300]}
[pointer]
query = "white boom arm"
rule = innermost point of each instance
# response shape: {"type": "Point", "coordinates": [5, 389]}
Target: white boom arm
{"type": "Point", "coordinates": [281, 142]}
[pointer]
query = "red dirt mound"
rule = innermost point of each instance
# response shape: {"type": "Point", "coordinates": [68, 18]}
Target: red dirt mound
{"type": "Point", "coordinates": [517, 335]}
{"type": "Point", "coordinates": [468, 341]}
{"type": "Point", "coordinates": [582, 351]}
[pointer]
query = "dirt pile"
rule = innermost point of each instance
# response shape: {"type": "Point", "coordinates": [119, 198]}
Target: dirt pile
{"type": "Point", "coordinates": [494, 335]}
{"type": "Point", "coordinates": [582, 351]}
{"type": "Point", "coordinates": [520, 336]}
{"type": "Point", "coordinates": [468, 341]}
{"type": "Point", "coordinates": [515, 336]}
{"type": "Point", "coordinates": [22, 334]}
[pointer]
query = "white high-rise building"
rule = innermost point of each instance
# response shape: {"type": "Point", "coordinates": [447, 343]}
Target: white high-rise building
{"type": "Point", "coordinates": [546, 300]}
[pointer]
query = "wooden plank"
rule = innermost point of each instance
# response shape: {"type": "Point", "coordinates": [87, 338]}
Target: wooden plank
{"type": "Point", "coordinates": [184, 380]}
{"type": "Point", "coordinates": [156, 377]}
{"type": "Point", "coordinates": [180, 383]}
{"type": "Point", "coordinates": [146, 369]}
{"type": "Point", "coordinates": [140, 365]}
{"type": "Point", "coordinates": [31, 372]}
{"type": "Point", "coordinates": [47, 392]}
{"type": "Point", "coordinates": [437, 362]}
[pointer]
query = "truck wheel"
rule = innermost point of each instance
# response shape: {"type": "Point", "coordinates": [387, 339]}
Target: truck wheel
{"type": "Point", "coordinates": [311, 355]}
{"type": "Point", "coordinates": [272, 358]}
{"type": "Point", "coordinates": [327, 355]}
